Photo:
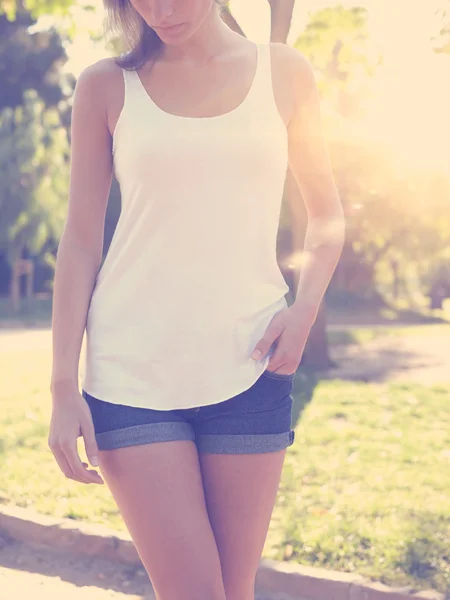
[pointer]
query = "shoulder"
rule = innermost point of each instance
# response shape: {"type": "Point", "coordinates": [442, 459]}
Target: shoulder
{"type": "Point", "coordinates": [292, 66]}
{"type": "Point", "coordinates": [100, 80]}
{"type": "Point", "coordinates": [100, 91]}
{"type": "Point", "coordinates": [101, 72]}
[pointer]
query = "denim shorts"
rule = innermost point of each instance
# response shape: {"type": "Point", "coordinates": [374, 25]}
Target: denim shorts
{"type": "Point", "coordinates": [255, 421]}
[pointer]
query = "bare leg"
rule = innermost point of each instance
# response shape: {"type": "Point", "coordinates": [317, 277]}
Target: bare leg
{"type": "Point", "coordinates": [158, 490]}
{"type": "Point", "coordinates": [240, 493]}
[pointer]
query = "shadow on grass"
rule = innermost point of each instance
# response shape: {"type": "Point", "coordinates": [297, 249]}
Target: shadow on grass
{"type": "Point", "coordinates": [415, 318]}
{"type": "Point", "coordinates": [377, 366]}
{"type": "Point", "coordinates": [352, 336]}
{"type": "Point", "coordinates": [304, 384]}
{"type": "Point", "coordinates": [404, 357]}
{"type": "Point", "coordinates": [426, 556]}
{"type": "Point", "coordinates": [418, 559]}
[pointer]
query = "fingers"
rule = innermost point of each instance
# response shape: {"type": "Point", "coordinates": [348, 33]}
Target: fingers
{"type": "Point", "coordinates": [90, 444]}
{"type": "Point", "coordinates": [62, 462]}
{"type": "Point", "coordinates": [66, 455]}
{"type": "Point", "coordinates": [272, 333]}
{"type": "Point", "coordinates": [281, 369]}
{"type": "Point", "coordinates": [68, 450]}
{"type": "Point", "coordinates": [69, 420]}
{"type": "Point", "coordinates": [62, 453]}
{"type": "Point", "coordinates": [81, 473]}
{"type": "Point", "coordinates": [284, 360]}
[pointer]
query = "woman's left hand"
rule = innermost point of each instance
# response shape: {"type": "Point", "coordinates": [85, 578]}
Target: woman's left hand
{"type": "Point", "coordinates": [289, 329]}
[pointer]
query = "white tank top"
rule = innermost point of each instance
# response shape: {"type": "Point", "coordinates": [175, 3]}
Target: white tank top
{"type": "Point", "coordinates": [191, 279]}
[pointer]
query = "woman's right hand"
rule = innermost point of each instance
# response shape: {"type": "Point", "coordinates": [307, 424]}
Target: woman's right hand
{"type": "Point", "coordinates": [71, 418]}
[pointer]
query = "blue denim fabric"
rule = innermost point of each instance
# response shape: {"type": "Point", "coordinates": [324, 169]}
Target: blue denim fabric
{"type": "Point", "coordinates": [255, 421]}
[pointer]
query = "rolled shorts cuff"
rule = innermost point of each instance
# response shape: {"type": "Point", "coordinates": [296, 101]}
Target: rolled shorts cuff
{"type": "Point", "coordinates": [145, 434]}
{"type": "Point", "coordinates": [245, 443]}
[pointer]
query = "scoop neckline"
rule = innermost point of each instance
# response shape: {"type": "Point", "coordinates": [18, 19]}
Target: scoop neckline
{"type": "Point", "coordinates": [213, 117]}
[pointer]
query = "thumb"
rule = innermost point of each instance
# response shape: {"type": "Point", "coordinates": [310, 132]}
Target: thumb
{"type": "Point", "coordinates": [265, 343]}
{"type": "Point", "coordinates": [90, 444]}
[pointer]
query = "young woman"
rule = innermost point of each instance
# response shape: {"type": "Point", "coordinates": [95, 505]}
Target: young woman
{"type": "Point", "coordinates": [191, 346]}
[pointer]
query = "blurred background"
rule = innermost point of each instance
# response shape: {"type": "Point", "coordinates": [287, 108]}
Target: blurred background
{"type": "Point", "coordinates": [365, 487]}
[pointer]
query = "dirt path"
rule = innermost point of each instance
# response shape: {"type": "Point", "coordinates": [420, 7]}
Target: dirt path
{"type": "Point", "coordinates": [40, 574]}
{"type": "Point", "coordinates": [19, 340]}
{"type": "Point", "coordinates": [32, 573]}
{"type": "Point", "coordinates": [420, 358]}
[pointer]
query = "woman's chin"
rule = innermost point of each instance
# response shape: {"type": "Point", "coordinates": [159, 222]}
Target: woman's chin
{"type": "Point", "coordinates": [172, 35]}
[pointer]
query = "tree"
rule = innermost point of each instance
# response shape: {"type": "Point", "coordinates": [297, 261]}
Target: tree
{"type": "Point", "coordinates": [281, 13]}
{"type": "Point", "coordinates": [33, 177]}
{"type": "Point", "coordinates": [333, 41]}
{"type": "Point", "coordinates": [31, 60]}
{"type": "Point", "coordinates": [441, 41]}
{"type": "Point", "coordinates": [280, 19]}
{"type": "Point", "coordinates": [337, 43]}
{"type": "Point", "coordinates": [35, 7]}
{"type": "Point", "coordinates": [34, 121]}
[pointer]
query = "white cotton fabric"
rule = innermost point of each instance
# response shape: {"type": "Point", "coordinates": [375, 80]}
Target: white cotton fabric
{"type": "Point", "coordinates": [191, 279]}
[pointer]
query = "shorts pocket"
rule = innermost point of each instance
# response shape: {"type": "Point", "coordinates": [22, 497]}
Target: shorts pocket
{"type": "Point", "coordinates": [274, 375]}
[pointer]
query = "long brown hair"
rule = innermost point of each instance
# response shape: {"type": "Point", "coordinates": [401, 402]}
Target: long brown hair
{"type": "Point", "coordinates": [140, 41]}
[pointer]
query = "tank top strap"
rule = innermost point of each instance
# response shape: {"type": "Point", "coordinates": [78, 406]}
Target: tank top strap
{"type": "Point", "coordinates": [136, 96]}
{"type": "Point", "coordinates": [262, 88]}
{"type": "Point", "coordinates": [132, 84]}
{"type": "Point", "coordinates": [129, 84]}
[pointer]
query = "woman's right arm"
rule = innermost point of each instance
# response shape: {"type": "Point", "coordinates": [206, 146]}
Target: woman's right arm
{"type": "Point", "coordinates": [78, 261]}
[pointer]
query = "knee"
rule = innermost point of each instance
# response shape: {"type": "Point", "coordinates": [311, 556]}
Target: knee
{"type": "Point", "coordinates": [192, 589]}
{"type": "Point", "coordinates": [240, 589]}
{"type": "Point", "coordinates": [207, 590]}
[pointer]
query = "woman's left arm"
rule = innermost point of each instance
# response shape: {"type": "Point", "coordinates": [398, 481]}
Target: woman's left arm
{"type": "Point", "coordinates": [310, 166]}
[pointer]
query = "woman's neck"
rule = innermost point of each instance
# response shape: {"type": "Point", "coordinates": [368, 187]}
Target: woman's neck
{"type": "Point", "coordinates": [211, 39]}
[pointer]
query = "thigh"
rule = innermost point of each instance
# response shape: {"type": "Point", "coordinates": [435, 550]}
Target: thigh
{"type": "Point", "coordinates": [243, 443]}
{"type": "Point", "coordinates": [240, 492]}
{"type": "Point", "coordinates": [158, 490]}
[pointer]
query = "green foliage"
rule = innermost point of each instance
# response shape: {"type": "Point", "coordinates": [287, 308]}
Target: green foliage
{"type": "Point", "coordinates": [398, 222]}
{"type": "Point", "coordinates": [358, 495]}
{"type": "Point", "coordinates": [34, 118]}
{"type": "Point", "coordinates": [335, 33]}
{"type": "Point", "coordinates": [31, 60]}
{"type": "Point", "coordinates": [36, 7]}
{"type": "Point", "coordinates": [336, 41]}
{"type": "Point", "coordinates": [398, 218]}
{"type": "Point", "coordinates": [441, 41]}
{"type": "Point", "coordinates": [33, 176]}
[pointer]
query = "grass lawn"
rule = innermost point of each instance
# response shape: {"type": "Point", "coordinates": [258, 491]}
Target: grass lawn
{"type": "Point", "coordinates": [364, 488]}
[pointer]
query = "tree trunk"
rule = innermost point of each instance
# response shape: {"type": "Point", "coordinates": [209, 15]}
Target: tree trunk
{"type": "Point", "coordinates": [14, 291]}
{"type": "Point", "coordinates": [20, 267]}
{"type": "Point", "coordinates": [280, 19]}
{"type": "Point", "coordinates": [316, 355]}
